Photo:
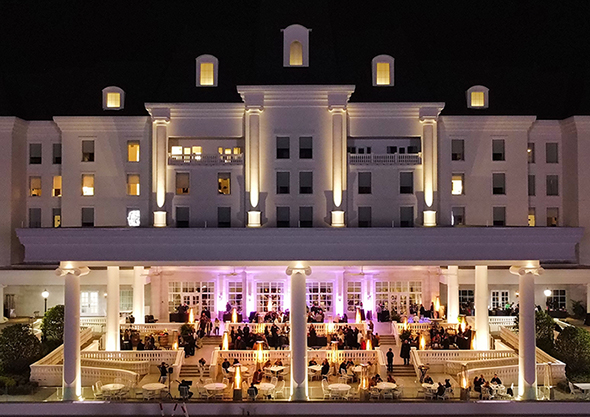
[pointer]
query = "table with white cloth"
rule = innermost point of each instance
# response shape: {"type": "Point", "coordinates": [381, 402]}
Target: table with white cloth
{"type": "Point", "coordinates": [215, 386]}
{"type": "Point", "coordinates": [385, 385]}
{"type": "Point", "coordinates": [276, 369]}
{"type": "Point", "coordinates": [584, 386]}
{"type": "Point", "coordinates": [232, 369]}
{"type": "Point", "coordinates": [153, 389]}
{"type": "Point", "coordinates": [315, 368]}
{"type": "Point", "coordinates": [264, 388]}
{"type": "Point", "coordinates": [339, 390]}
{"type": "Point", "coordinates": [112, 387]}
{"type": "Point", "coordinates": [497, 389]}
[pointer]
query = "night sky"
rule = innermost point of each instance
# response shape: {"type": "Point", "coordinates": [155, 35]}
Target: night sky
{"type": "Point", "coordinates": [57, 56]}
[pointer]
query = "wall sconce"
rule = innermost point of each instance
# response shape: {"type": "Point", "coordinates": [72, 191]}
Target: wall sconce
{"type": "Point", "coordinates": [547, 292]}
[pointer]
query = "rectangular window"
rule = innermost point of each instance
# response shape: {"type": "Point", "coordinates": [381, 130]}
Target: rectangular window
{"type": "Point", "coordinates": [87, 151]}
{"type": "Point", "coordinates": [306, 183]}
{"type": "Point", "coordinates": [223, 216]}
{"type": "Point", "coordinates": [458, 216]}
{"type": "Point", "coordinates": [364, 183]}
{"type": "Point", "coordinates": [552, 185]}
{"type": "Point", "coordinates": [35, 186]}
{"type": "Point", "coordinates": [531, 187]}
{"type": "Point", "coordinates": [353, 296]}
{"type": "Point", "coordinates": [126, 299]}
{"type": "Point", "coordinates": [383, 73]}
{"type": "Point", "coordinates": [34, 217]}
{"type": "Point", "coordinates": [552, 216]}
{"type": "Point", "coordinates": [406, 216]}
{"type": "Point", "coordinates": [35, 152]}
{"type": "Point", "coordinates": [557, 301]}
{"type": "Point", "coordinates": [132, 184]}
{"type": "Point", "coordinates": [89, 303]}
{"type": "Point", "coordinates": [305, 147]}
{"type": "Point", "coordinates": [234, 294]}
{"type": "Point", "coordinates": [88, 184]}
{"type": "Point", "coordinates": [457, 184]}
{"type": "Point", "coordinates": [56, 192]}
{"type": "Point", "coordinates": [364, 216]}
{"type": "Point", "coordinates": [320, 294]}
{"type": "Point", "coordinates": [466, 296]}
{"type": "Point", "coordinates": [57, 153]}
{"type": "Point", "coordinates": [305, 216]}
{"type": "Point", "coordinates": [499, 216]}
{"type": "Point", "coordinates": [133, 151]}
{"type": "Point", "coordinates": [457, 150]}
{"type": "Point", "coordinates": [269, 296]}
{"type": "Point", "coordinates": [498, 184]}
{"type": "Point", "coordinates": [531, 152]}
{"type": "Point", "coordinates": [391, 150]}
{"type": "Point", "coordinates": [283, 182]}
{"type": "Point", "coordinates": [532, 220]}
{"type": "Point", "coordinates": [282, 147]}
{"type": "Point", "coordinates": [223, 183]}
{"type": "Point", "coordinates": [87, 216]}
{"type": "Point", "coordinates": [477, 99]}
{"type": "Point", "coordinates": [406, 183]}
{"type": "Point", "coordinates": [207, 76]}
{"type": "Point", "coordinates": [551, 153]}
{"type": "Point", "coordinates": [499, 299]}
{"type": "Point", "coordinates": [56, 213]}
{"type": "Point", "coordinates": [182, 217]}
{"type": "Point", "coordinates": [113, 100]}
{"type": "Point", "coordinates": [283, 217]}
{"type": "Point", "coordinates": [183, 183]}
{"type": "Point", "coordinates": [498, 150]}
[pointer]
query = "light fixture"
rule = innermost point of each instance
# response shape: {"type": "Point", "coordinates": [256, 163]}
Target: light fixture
{"type": "Point", "coordinates": [547, 292]}
{"type": "Point", "coordinates": [45, 295]}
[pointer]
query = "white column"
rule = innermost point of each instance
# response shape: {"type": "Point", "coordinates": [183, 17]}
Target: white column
{"type": "Point", "coordinates": [253, 139]}
{"type": "Point", "coordinates": [452, 294]}
{"type": "Point", "coordinates": [482, 325]}
{"type": "Point", "coordinates": [160, 121]}
{"type": "Point", "coordinates": [338, 166]}
{"type": "Point", "coordinates": [112, 335]}
{"type": "Point", "coordinates": [428, 117]}
{"type": "Point", "coordinates": [2, 318]}
{"type": "Point", "coordinates": [138, 294]}
{"type": "Point", "coordinates": [298, 334]}
{"type": "Point", "coordinates": [340, 308]}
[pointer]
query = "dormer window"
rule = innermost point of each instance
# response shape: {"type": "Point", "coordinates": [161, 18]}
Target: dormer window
{"type": "Point", "coordinates": [477, 97]}
{"type": "Point", "coordinates": [113, 98]}
{"type": "Point", "coordinates": [296, 46]}
{"type": "Point", "coordinates": [207, 66]}
{"type": "Point", "coordinates": [382, 71]}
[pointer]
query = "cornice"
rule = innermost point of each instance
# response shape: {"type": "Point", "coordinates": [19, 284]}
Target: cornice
{"type": "Point", "coordinates": [198, 110]}
{"type": "Point", "coordinates": [487, 123]}
{"type": "Point", "coordinates": [391, 110]}
{"type": "Point", "coordinates": [102, 123]}
{"type": "Point", "coordinates": [297, 95]}
{"type": "Point", "coordinates": [42, 129]}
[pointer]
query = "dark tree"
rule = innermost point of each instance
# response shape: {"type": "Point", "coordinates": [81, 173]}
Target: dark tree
{"type": "Point", "coordinates": [19, 348]}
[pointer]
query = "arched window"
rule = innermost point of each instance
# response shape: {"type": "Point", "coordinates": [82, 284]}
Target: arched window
{"type": "Point", "coordinates": [296, 54]}
{"type": "Point", "coordinates": [382, 66]}
{"type": "Point", "coordinates": [478, 97]}
{"type": "Point", "coordinates": [113, 98]}
{"type": "Point", "coordinates": [207, 66]}
{"type": "Point", "coordinates": [296, 46]}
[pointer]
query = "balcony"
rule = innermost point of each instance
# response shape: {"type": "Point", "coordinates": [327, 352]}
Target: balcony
{"type": "Point", "coordinates": [385, 159]}
{"type": "Point", "coordinates": [216, 159]}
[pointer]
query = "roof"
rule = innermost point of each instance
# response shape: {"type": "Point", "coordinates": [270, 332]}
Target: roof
{"type": "Point", "coordinates": [58, 56]}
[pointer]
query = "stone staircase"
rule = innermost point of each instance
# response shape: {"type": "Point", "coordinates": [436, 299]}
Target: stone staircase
{"type": "Point", "coordinates": [387, 339]}
{"type": "Point", "coordinates": [404, 371]}
{"type": "Point", "coordinates": [212, 340]}
{"type": "Point", "coordinates": [193, 372]}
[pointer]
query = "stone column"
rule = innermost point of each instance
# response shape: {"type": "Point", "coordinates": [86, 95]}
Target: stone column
{"type": "Point", "coordinates": [138, 294]}
{"type": "Point", "coordinates": [160, 121]}
{"type": "Point", "coordinates": [482, 325]}
{"type": "Point", "coordinates": [452, 294]}
{"type": "Point", "coordinates": [112, 335]}
{"type": "Point", "coordinates": [254, 106]}
{"type": "Point", "coordinates": [337, 105]}
{"type": "Point", "coordinates": [429, 117]}
{"type": "Point", "coordinates": [298, 334]}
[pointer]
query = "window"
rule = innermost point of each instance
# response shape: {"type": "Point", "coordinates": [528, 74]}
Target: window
{"type": "Point", "coordinates": [530, 152]}
{"type": "Point", "coordinates": [457, 150]}
{"type": "Point", "coordinates": [87, 216]}
{"type": "Point", "coordinates": [89, 302]}
{"type": "Point", "coordinates": [478, 97]}
{"type": "Point", "coordinates": [182, 217]}
{"type": "Point", "coordinates": [296, 54]}
{"type": "Point", "coordinates": [391, 150]}
{"type": "Point", "coordinates": [406, 216]}
{"type": "Point", "coordinates": [133, 217]}
{"type": "Point", "coordinates": [499, 184]}
{"type": "Point", "coordinates": [532, 217]}
{"type": "Point", "coordinates": [551, 153]}
{"type": "Point", "coordinates": [182, 183]}
{"type": "Point", "coordinates": [457, 182]}
{"type": "Point", "coordinates": [197, 295]}
{"type": "Point", "coordinates": [126, 299]}
{"type": "Point", "coordinates": [283, 182]}
{"type": "Point", "coordinates": [282, 147]}
{"type": "Point", "coordinates": [305, 216]}
{"type": "Point", "coordinates": [57, 153]}
{"type": "Point", "coordinates": [56, 213]}
{"type": "Point", "coordinates": [283, 217]}
{"type": "Point", "coordinates": [458, 216]}
{"type": "Point", "coordinates": [88, 184]}
{"type": "Point", "coordinates": [35, 151]}
{"type": "Point", "coordinates": [552, 185]}
{"type": "Point", "coordinates": [133, 184]}
{"type": "Point", "coordinates": [552, 216]}
{"type": "Point", "coordinates": [234, 294]}
{"type": "Point", "coordinates": [223, 183]}
{"type": "Point", "coordinates": [223, 216]}
{"type": "Point", "coordinates": [305, 147]}
{"type": "Point", "coordinates": [353, 296]}
{"type": "Point", "coordinates": [133, 151]}
{"type": "Point", "coordinates": [406, 183]}
{"type": "Point", "coordinates": [207, 70]}
{"type": "Point", "coordinates": [557, 301]}
{"type": "Point", "coordinates": [364, 217]}
{"type": "Point", "coordinates": [87, 151]}
{"type": "Point", "coordinates": [382, 68]}
{"type": "Point", "coordinates": [34, 217]}
{"type": "Point", "coordinates": [531, 187]}
{"type": "Point", "coordinates": [466, 297]}
{"type": "Point", "coordinates": [498, 150]}
{"type": "Point", "coordinates": [499, 216]}
{"type": "Point", "coordinates": [269, 296]}
{"type": "Point", "coordinates": [364, 183]}
{"type": "Point", "coordinates": [296, 46]}
{"type": "Point", "coordinates": [113, 98]}
{"type": "Point", "coordinates": [306, 183]}
{"type": "Point", "coordinates": [56, 192]}
{"type": "Point", "coordinates": [500, 299]}
{"type": "Point", "coordinates": [35, 186]}
{"type": "Point", "coordinates": [320, 294]}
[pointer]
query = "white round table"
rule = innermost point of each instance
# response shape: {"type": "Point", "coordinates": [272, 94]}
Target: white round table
{"type": "Point", "coordinates": [154, 386]}
{"type": "Point", "coordinates": [316, 368]}
{"type": "Point", "coordinates": [215, 386]}
{"type": "Point", "coordinates": [339, 387]}
{"type": "Point", "coordinates": [264, 387]}
{"type": "Point", "coordinates": [386, 385]}
{"type": "Point", "coordinates": [112, 387]}
{"type": "Point", "coordinates": [276, 369]}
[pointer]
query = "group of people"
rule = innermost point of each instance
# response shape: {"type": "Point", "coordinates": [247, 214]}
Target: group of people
{"type": "Point", "coordinates": [244, 339]}
{"type": "Point", "coordinates": [479, 383]}
{"type": "Point", "coordinates": [449, 338]}
{"type": "Point", "coordinates": [441, 388]}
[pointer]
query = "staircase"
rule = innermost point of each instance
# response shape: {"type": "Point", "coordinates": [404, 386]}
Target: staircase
{"type": "Point", "coordinates": [403, 371]}
{"type": "Point", "coordinates": [212, 340]}
{"type": "Point", "coordinates": [387, 340]}
{"type": "Point", "coordinates": [192, 372]}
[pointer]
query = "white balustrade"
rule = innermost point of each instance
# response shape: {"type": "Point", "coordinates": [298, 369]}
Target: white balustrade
{"type": "Point", "coordinates": [385, 159]}
{"type": "Point", "coordinates": [501, 321]}
{"type": "Point", "coordinates": [420, 327]}
{"type": "Point", "coordinates": [509, 374]}
{"type": "Point", "coordinates": [436, 359]}
{"type": "Point", "coordinates": [321, 329]}
{"type": "Point", "coordinates": [96, 323]}
{"type": "Point", "coordinates": [139, 367]}
{"type": "Point", "coordinates": [52, 375]}
{"type": "Point", "coordinates": [216, 159]}
{"type": "Point", "coordinates": [150, 328]}
{"type": "Point", "coordinates": [454, 367]}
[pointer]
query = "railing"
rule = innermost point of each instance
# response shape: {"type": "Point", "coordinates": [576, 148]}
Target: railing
{"type": "Point", "coordinates": [509, 374]}
{"type": "Point", "coordinates": [420, 327]}
{"type": "Point", "coordinates": [436, 359]}
{"type": "Point", "coordinates": [52, 375]}
{"type": "Point", "coordinates": [454, 367]}
{"type": "Point", "coordinates": [195, 159]}
{"type": "Point", "coordinates": [152, 357]}
{"type": "Point", "coordinates": [139, 367]}
{"type": "Point", "coordinates": [97, 324]}
{"type": "Point", "coordinates": [501, 321]}
{"type": "Point", "coordinates": [385, 159]}
{"type": "Point", "coordinates": [321, 329]}
{"type": "Point", "coordinates": [395, 331]}
{"type": "Point", "coordinates": [150, 328]}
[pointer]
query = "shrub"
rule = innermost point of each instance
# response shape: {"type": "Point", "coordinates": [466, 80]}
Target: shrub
{"type": "Point", "coordinates": [573, 347]}
{"type": "Point", "coordinates": [578, 309]}
{"type": "Point", "coordinates": [19, 348]}
{"type": "Point", "coordinates": [187, 328]}
{"type": "Point", "coordinates": [53, 324]}
{"type": "Point", "coordinates": [544, 326]}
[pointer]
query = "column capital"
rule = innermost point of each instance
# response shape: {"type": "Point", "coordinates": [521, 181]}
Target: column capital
{"type": "Point", "coordinates": [77, 271]}
{"type": "Point", "coordinates": [337, 101]}
{"type": "Point", "coordinates": [160, 114]}
{"type": "Point", "coordinates": [301, 270]}
{"type": "Point", "coordinates": [429, 114]}
{"type": "Point", "coordinates": [522, 270]}
{"type": "Point", "coordinates": [254, 102]}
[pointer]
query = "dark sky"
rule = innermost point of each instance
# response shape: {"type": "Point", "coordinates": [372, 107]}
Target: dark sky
{"type": "Point", "coordinates": [57, 56]}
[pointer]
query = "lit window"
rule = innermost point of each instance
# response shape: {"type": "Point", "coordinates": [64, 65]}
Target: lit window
{"type": "Point", "coordinates": [133, 218]}
{"type": "Point", "coordinates": [295, 46]}
{"type": "Point", "coordinates": [237, 151]}
{"type": "Point", "coordinates": [457, 216]}
{"type": "Point", "coordinates": [182, 183]}
{"type": "Point", "coordinates": [88, 151]}
{"type": "Point", "coordinates": [382, 67]}
{"type": "Point", "coordinates": [197, 150]}
{"type": "Point", "coordinates": [532, 217]}
{"type": "Point", "coordinates": [133, 184]}
{"type": "Point", "coordinates": [207, 70]}
{"type": "Point", "coordinates": [223, 183]}
{"type": "Point", "coordinates": [113, 98]}
{"type": "Point", "coordinates": [88, 184]}
{"type": "Point", "coordinates": [530, 153]}
{"type": "Point", "coordinates": [207, 73]}
{"type": "Point", "coordinates": [56, 186]}
{"type": "Point", "coordinates": [133, 151]}
{"type": "Point", "coordinates": [457, 184]}
{"type": "Point", "coordinates": [35, 186]}
{"type": "Point", "coordinates": [477, 97]}
{"type": "Point", "coordinates": [296, 54]}
{"type": "Point", "coordinates": [382, 73]}
{"type": "Point", "coordinates": [56, 217]}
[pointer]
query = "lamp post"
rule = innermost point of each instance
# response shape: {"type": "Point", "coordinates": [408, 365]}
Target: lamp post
{"type": "Point", "coordinates": [45, 295]}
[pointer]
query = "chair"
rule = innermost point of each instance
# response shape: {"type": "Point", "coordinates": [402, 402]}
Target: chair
{"type": "Point", "coordinates": [208, 381]}
{"type": "Point", "coordinates": [149, 395]}
{"type": "Point", "coordinates": [313, 374]}
{"type": "Point", "coordinates": [228, 392]}
{"type": "Point", "coordinates": [398, 392]}
{"type": "Point", "coordinates": [274, 381]}
{"type": "Point", "coordinates": [184, 392]}
{"type": "Point", "coordinates": [280, 389]}
{"type": "Point", "coordinates": [353, 394]}
{"type": "Point", "coordinates": [268, 373]}
{"type": "Point", "coordinates": [99, 385]}
{"type": "Point", "coordinates": [375, 394]}
{"type": "Point", "coordinates": [576, 392]}
{"type": "Point", "coordinates": [97, 393]}
{"type": "Point", "coordinates": [344, 375]}
{"type": "Point", "coordinates": [225, 381]}
{"type": "Point", "coordinates": [486, 393]}
{"type": "Point", "coordinates": [429, 394]}
{"type": "Point", "coordinates": [202, 392]}
{"type": "Point", "coordinates": [325, 389]}
{"type": "Point", "coordinates": [387, 394]}
{"type": "Point", "coordinates": [448, 394]}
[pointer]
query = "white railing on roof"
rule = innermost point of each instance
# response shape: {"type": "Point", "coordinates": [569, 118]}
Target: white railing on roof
{"type": "Point", "coordinates": [215, 159]}
{"type": "Point", "coordinates": [454, 367]}
{"type": "Point", "coordinates": [139, 367]}
{"type": "Point", "coordinates": [385, 159]}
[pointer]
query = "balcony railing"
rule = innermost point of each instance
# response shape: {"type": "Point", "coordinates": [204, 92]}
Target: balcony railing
{"type": "Point", "coordinates": [385, 159]}
{"type": "Point", "coordinates": [216, 159]}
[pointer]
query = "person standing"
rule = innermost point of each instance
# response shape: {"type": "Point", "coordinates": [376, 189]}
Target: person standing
{"type": "Point", "coordinates": [405, 352]}
{"type": "Point", "coordinates": [390, 360]}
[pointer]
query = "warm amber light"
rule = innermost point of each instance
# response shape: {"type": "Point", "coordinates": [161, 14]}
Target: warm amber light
{"type": "Point", "coordinates": [57, 186]}
{"type": "Point", "coordinates": [269, 304]}
{"type": "Point", "coordinates": [133, 184]}
{"type": "Point", "coordinates": [225, 342]}
{"type": "Point", "coordinates": [133, 152]}
{"type": "Point", "coordinates": [437, 304]}
{"type": "Point", "coordinates": [296, 53]}
{"type": "Point", "coordinates": [259, 352]}
{"type": "Point", "coordinates": [457, 185]}
{"type": "Point", "coordinates": [369, 345]}
{"type": "Point", "coordinates": [175, 346]}
{"type": "Point", "coordinates": [191, 316]}
{"type": "Point", "coordinates": [238, 375]}
{"type": "Point", "coordinates": [113, 100]}
{"type": "Point", "coordinates": [358, 315]}
{"type": "Point", "coordinates": [422, 343]}
{"type": "Point", "coordinates": [88, 184]}
{"type": "Point", "coordinates": [207, 74]}
{"type": "Point", "coordinates": [383, 77]}
{"type": "Point", "coordinates": [234, 316]}
{"type": "Point", "coordinates": [477, 99]}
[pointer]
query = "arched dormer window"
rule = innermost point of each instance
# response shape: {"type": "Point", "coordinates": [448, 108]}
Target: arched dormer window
{"type": "Point", "coordinates": [113, 98]}
{"type": "Point", "coordinates": [207, 66]}
{"type": "Point", "coordinates": [478, 97]}
{"type": "Point", "coordinates": [382, 66]}
{"type": "Point", "coordinates": [296, 46]}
